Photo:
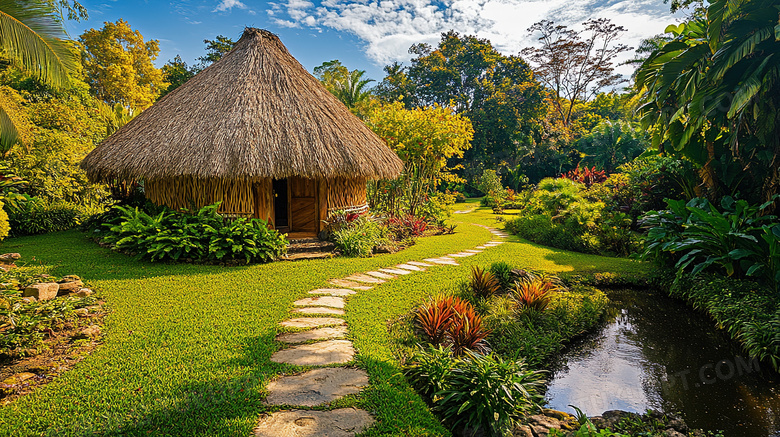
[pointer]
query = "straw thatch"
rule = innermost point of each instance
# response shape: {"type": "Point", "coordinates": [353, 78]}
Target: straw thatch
{"type": "Point", "coordinates": [256, 113]}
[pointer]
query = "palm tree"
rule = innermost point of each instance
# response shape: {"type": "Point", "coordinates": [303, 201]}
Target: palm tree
{"type": "Point", "coordinates": [351, 89]}
{"type": "Point", "coordinates": [610, 144]}
{"type": "Point", "coordinates": [32, 39]}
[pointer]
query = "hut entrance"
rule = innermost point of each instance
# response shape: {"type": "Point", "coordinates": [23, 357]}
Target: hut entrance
{"type": "Point", "coordinates": [281, 209]}
{"type": "Point", "coordinates": [303, 201]}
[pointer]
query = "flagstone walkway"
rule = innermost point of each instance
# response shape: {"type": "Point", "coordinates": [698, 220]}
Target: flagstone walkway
{"type": "Point", "coordinates": [320, 343]}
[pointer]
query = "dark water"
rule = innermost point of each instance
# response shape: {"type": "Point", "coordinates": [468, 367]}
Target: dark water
{"type": "Point", "coordinates": [659, 354]}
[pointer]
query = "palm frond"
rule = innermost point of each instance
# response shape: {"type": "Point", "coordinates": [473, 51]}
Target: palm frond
{"type": "Point", "coordinates": [32, 38]}
{"type": "Point", "coordinates": [9, 135]}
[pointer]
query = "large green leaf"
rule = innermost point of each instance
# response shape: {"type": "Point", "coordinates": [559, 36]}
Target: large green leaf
{"type": "Point", "coordinates": [31, 37]}
{"type": "Point", "coordinates": [9, 135]}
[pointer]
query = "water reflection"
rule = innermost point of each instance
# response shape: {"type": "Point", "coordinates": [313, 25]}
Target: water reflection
{"type": "Point", "coordinates": [657, 353]}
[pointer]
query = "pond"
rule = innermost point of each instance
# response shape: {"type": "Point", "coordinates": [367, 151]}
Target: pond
{"type": "Point", "coordinates": [657, 353]}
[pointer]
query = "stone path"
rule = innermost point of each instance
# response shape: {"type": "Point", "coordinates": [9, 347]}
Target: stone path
{"type": "Point", "coordinates": [321, 341]}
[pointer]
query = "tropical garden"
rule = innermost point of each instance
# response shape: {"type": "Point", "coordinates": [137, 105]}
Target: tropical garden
{"type": "Point", "coordinates": [617, 194]}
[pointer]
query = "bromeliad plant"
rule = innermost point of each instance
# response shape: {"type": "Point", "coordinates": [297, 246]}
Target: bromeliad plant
{"type": "Point", "coordinates": [483, 283]}
{"type": "Point", "coordinates": [735, 240]}
{"type": "Point", "coordinates": [452, 322]}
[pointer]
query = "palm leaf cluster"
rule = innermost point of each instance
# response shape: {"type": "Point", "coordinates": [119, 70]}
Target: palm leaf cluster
{"type": "Point", "coordinates": [712, 93]}
{"type": "Point", "coordinates": [32, 39]}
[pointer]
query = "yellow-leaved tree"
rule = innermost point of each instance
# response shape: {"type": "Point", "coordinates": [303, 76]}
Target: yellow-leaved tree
{"type": "Point", "coordinates": [424, 139]}
{"type": "Point", "coordinates": [118, 66]}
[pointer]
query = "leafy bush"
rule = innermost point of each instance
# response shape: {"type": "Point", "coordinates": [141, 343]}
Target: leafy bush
{"type": "Point", "coordinates": [406, 226]}
{"type": "Point", "coordinates": [4, 226]}
{"type": "Point", "coordinates": [503, 274]}
{"type": "Point", "coordinates": [483, 283]}
{"type": "Point", "coordinates": [467, 332]}
{"type": "Point", "coordinates": [696, 236]}
{"type": "Point", "coordinates": [478, 392]}
{"type": "Point", "coordinates": [586, 176]}
{"type": "Point", "coordinates": [33, 216]}
{"type": "Point", "coordinates": [534, 295]}
{"type": "Point", "coordinates": [359, 237]}
{"type": "Point", "coordinates": [485, 393]}
{"type": "Point", "coordinates": [202, 236]}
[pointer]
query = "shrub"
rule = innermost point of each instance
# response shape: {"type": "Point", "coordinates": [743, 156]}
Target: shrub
{"type": "Point", "coordinates": [586, 176]}
{"type": "Point", "coordinates": [4, 226]}
{"type": "Point", "coordinates": [32, 216]}
{"type": "Point", "coordinates": [406, 226]}
{"type": "Point", "coordinates": [466, 332]}
{"type": "Point", "coordinates": [483, 283]}
{"type": "Point", "coordinates": [503, 274]}
{"type": "Point", "coordinates": [485, 393]}
{"type": "Point", "coordinates": [432, 319]}
{"type": "Point", "coordinates": [202, 236]}
{"type": "Point", "coordinates": [359, 237]}
{"type": "Point", "coordinates": [735, 240]}
{"type": "Point", "coordinates": [429, 370]}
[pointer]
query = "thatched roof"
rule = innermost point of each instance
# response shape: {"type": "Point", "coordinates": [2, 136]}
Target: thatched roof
{"type": "Point", "coordinates": [255, 113]}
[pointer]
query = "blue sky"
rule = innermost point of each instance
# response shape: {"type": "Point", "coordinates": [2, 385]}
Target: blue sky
{"type": "Point", "coordinates": [364, 34]}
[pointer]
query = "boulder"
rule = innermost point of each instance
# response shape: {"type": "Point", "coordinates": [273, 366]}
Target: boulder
{"type": "Point", "coordinates": [29, 299]}
{"type": "Point", "coordinates": [70, 287]}
{"type": "Point", "coordinates": [10, 257]}
{"type": "Point", "coordinates": [84, 292]}
{"type": "Point", "coordinates": [42, 291]}
{"type": "Point", "coordinates": [91, 331]}
{"type": "Point", "coordinates": [19, 378]}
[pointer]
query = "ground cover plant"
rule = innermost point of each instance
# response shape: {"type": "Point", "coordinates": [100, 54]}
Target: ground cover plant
{"type": "Point", "coordinates": [186, 347]}
{"type": "Point", "coordinates": [203, 235]}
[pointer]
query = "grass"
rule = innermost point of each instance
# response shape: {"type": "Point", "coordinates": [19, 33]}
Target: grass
{"type": "Point", "coordinates": [187, 347]}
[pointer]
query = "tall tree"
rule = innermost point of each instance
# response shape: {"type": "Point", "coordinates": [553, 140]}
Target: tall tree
{"type": "Point", "coordinates": [176, 73]}
{"type": "Point", "coordinates": [118, 66]}
{"type": "Point", "coordinates": [496, 92]}
{"type": "Point", "coordinates": [215, 49]}
{"type": "Point", "coordinates": [348, 86]}
{"type": "Point", "coordinates": [576, 65]}
{"type": "Point", "coordinates": [396, 86]}
{"type": "Point", "coordinates": [32, 39]}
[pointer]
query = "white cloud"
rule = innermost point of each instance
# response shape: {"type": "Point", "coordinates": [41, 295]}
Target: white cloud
{"type": "Point", "coordinates": [389, 27]}
{"type": "Point", "coordinates": [226, 5]}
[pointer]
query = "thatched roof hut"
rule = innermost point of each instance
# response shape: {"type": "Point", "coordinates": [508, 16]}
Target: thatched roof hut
{"type": "Point", "coordinates": [252, 129]}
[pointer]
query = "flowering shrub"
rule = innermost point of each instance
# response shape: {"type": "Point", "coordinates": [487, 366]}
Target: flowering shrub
{"type": "Point", "coordinates": [587, 176]}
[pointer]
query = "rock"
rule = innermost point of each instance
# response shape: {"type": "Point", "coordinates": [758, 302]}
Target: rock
{"type": "Point", "coordinates": [522, 431]}
{"type": "Point", "coordinates": [364, 278]}
{"type": "Point", "coordinates": [326, 301]}
{"type": "Point", "coordinates": [672, 433]}
{"type": "Point", "coordinates": [410, 267]}
{"type": "Point", "coordinates": [10, 257]}
{"type": "Point", "coordinates": [320, 310]}
{"type": "Point", "coordinates": [7, 266]}
{"type": "Point", "coordinates": [91, 331]}
{"type": "Point", "coordinates": [42, 291]}
{"type": "Point", "coordinates": [18, 378]}
{"type": "Point", "coordinates": [380, 275]}
{"type": "Point", "coordinates": [678, 425]}
{"type": "Point", "coordinates": [69, 278]}
{"type": "Point", "coordinates": [314, 334]}
{"type": "Point", "coordinates": [84, 292]}
{"type": "Point", "coordinates": [540, 431]}
{"type": "Point", "coordinates": [317, 354]}
{"type": "Point", "coordinates": [443, 261]}
{"type": "Point", "coordinates": [69, 287]}
{"type": "Point", "coordinates": [342, 422]}
{"type": "Point", "coordinates": [312, 322]}
{"type": "Point", "coordinates": [395, 271]}
{"type": "Point", "coordinates": [350, 284]}
{"type": "Point", "coordinates": [419, 264]}
{"type": "Point", "coordinates": [340, 292]}
{"type": "Point", "coordinates": [316, 387]}
{"type": "Point", "coordinates": [29, 299]}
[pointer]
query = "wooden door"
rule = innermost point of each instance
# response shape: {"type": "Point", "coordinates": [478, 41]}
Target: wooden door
{"type": "Point", "coordinates": [303, 205]}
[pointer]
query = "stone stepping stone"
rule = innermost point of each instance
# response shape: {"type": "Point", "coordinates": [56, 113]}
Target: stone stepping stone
{"type": "Point", "coordinates": [396, 271]}
{"type": "Point", "coordinates": [365, 278]}
{"type": "Point", "coordinates": [312, 322]}
{"type": "Point", "coordinates": [325, 301]}
{"type": "Point", "coordinates": [327, 333]}
{"type": "Point", "coordinates": [419, 263]}
{"type": "Point", "coordinates": [316, 387]}
{"type": "Point", "coordinates": [461, 254]}
{"type": "Point", "coordinates": [496, 242]}
{"type": "Point", "coordinates": [317, 354]}
{"type": "Point", "coordinates": [340, 292]}
{"type": "Point", "coordinates": [443, 261]}
{"type": "Point", "coordinates": [472, 251]}
{"type": "Point", "coordinates": [380, 275]}
{"type": "Point", "coordinates": [481, 247]}
{"type": "Point", "coordinates": [350, 284]}
{"type": "Point", "coordinates": [410, 267]}
{"type": "Point", "coordinates": [343, 422]}
{"type": "Point", "coordinates": [320, 310]}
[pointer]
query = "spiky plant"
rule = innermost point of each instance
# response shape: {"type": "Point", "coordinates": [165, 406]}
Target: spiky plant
{"type": "Point", "coordinates": [434, 317]}
{"type": "Point", "coordinates": [534, 295]}
{"type": "Point", "coordinates": [467, 332]}
{"type": "Point", "coordinates": [503, 274]}
{"type": "Point", "coordinates": [483, 283]}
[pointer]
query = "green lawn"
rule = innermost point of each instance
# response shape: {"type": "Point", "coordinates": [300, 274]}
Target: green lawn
{"type": "Point", "coordinates": [187, 347]}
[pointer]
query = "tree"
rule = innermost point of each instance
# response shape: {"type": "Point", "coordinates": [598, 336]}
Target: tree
{"type": "Point", "coordinates": [496, 92]}
{"type": "Point", "coordinates": [712, 95]}
{"type": "Point", "coordinates": [424, 139]}
{"type": "Point", "coordinates": [348, 86]}
{"type": "Point", "coordinates": [74, 9]}
{"type": "Point", "coordinates": [33, 39]}
{"type": "Point", "coordinates": [118, 66]}
{"type": "Point", "coordinates": [215, 49]}
{"type": "Point", "coordinates": [576, 65]}
{"type": "Point", "coordinates": [611, 144]}
{"type": "Point", "coordinates": [396, 86]}
{"type": "Point", "coordinates": [176, 73]}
